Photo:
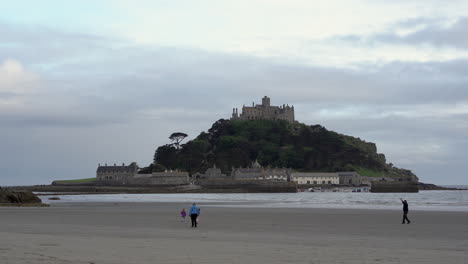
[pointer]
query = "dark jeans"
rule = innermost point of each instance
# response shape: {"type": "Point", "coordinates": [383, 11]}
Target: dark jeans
{"type": "Point", "coordinates": [194, 219]}
{"type": "Point", "coordinates": [405, 217]}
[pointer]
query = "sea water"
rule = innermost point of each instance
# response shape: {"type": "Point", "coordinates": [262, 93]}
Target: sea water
{"type": "Point", "coordinates": [424, 200]}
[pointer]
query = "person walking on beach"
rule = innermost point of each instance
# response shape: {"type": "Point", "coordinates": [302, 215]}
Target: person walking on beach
{"type": "Point", "coordinates": [194, 213]}
{"type": "Point", "coordinates": [405, 211]}
{"type": "Point", "coordinates": [183, 214]}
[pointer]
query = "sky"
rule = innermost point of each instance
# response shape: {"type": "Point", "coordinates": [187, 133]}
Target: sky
{"type": "Point", "coordinates": [87, 82]}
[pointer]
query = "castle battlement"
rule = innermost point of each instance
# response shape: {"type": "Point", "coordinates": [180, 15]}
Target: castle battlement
{"type": "Point", "coordinates": [264, 111]}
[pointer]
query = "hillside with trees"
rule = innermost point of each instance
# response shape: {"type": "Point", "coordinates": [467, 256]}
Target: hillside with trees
{"type": "Point", "coordinates": [274, 143]}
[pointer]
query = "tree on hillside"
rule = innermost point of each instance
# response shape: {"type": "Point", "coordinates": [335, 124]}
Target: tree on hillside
{"type": "Point", "coordinates": [177, 137]}
{"type": "Point", "coordinates": [158, 168]}
{"type": "Point", "coordinates": [166, 156]}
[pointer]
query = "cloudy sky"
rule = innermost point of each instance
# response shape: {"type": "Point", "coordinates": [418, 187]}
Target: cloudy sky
{"type": "Point", "coordinates": [87, 82]}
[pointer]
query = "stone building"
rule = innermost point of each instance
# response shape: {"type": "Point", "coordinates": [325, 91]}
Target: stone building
{"type": "Point", "coordinates": [115, 175]}
{"type": "Point", "coordinates": [257, 172]}
{"type": "Point", "coordinates": [128, 176]}
{"type": "Point", "coordinates": [264, 111]}
{"type": "Point", "coordinates": [350, 178]}
{"type": "Point", "coordinates": [316, 178]}
{"type": "Point", "coordinates": [211, 174]}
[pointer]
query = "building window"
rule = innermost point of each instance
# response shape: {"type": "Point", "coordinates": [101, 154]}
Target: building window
{"type": "Point", "coordinates": [315, 182]}
{"type": "Point", "coordinates": [329, 182]}
{"type": "Point", "coordinates": [323, 182]}
{"type": "Point", "coordinates": [308, 182]}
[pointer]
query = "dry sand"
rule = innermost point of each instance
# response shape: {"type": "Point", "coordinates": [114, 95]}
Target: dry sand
{"type": "Point", "coordinates": [152, 233]}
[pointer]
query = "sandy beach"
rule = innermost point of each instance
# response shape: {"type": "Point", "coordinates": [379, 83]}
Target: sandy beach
{"type": "Point", "coordinates": [152, 233]}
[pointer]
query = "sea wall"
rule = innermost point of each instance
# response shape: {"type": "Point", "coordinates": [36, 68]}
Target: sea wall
{"type": "Point", "coordinates": [190, 188]}
{"type": "Point", "coordinates": [159, 179]}
{"type": "Point", "coordinates": [394, 187]}
{"type": "Point", "coordinates": [64, 183]}
{"type": "Point", "coordinates": [249, 185]}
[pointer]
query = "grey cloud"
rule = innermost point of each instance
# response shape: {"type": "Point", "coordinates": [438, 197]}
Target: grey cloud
{"type": "Point", "coordinates": [418, 21]}
{"type": "Point", "coordinates": [431, 31]}
{"type": "Point", "coordinates": [116, 88]}
{"type": "Point", "coordinates": [7, 95]}
{"type": "Point", "coordinates": [48, 47]}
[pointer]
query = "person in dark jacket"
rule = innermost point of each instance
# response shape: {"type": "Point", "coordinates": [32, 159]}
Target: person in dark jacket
{"type": "Point", "coordinates": [194, 213]}
{"type": "Point", "coordinates": [405, 211]}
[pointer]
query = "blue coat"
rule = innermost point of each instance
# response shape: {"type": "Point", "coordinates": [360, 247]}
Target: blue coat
{"type": "Point", "coordinates": [194, 210]}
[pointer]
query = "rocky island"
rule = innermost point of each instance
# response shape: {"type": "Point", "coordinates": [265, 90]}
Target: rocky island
{"type": "Point", "coordinates": [261, 149]}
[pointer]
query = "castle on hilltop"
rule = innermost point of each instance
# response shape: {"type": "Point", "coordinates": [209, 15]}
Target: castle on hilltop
{"type": "Point", "coordinates": [264, 111]}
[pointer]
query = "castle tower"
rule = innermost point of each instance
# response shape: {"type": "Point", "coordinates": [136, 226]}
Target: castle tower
{"type": "Point", "coordinates": [266, 101]}
{"type": "Point", "coordinates": [264, 111]}
{"type": "Point", "coordinates": [235, 114]}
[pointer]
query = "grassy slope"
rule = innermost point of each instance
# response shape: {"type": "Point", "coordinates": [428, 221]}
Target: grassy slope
{"type": "Point", "coordinates": [368, 172]}
{"type": "Point", "coordinates": [78, 180]}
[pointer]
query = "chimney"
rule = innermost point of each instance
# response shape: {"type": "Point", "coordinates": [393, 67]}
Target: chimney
{"type": "Point", "coordinates": [123, 164]}
{"type": "Point", "coordinates": [115, 165]}
{"type": "Point", "coordinates": [99, 164]}
{"type": "Point", "coordinates": [106, 164]}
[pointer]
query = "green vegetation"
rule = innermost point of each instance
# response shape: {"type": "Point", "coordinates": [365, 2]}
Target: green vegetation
{"type": "Point", "coordinates": [276, 143]}
{"type": "Point", "coordinates": [368, 172]}
{"type": "Point", "coordinates": [176, 138]}
{"type": "Point", "coordinates": [77, 180]}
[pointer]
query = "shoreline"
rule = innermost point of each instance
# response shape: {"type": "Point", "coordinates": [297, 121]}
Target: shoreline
{"type": "Point", "coordinates": [95, 189]}
{"type": "Point", "coordinates": [424, 201]}
{"type": "Point", "coordinates": [239, 206]}
{"type": "Point", "coordinates": [217, 191]}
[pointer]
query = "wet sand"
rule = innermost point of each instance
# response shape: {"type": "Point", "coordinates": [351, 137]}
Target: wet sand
{"type": "Point", "coordinates": [152, 233]}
